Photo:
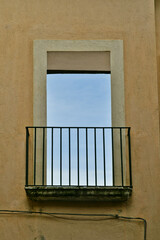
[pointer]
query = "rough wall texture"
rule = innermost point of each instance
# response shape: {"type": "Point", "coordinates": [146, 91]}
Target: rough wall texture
{"type": "Point", "coordinates": [157, 23]}
{"type": "Point", "coordinates": [131, 21]}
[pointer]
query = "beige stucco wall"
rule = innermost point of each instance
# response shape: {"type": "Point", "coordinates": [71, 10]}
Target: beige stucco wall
{"type": "Point", "coordinates": [134, 23]}
{"type": "Point", "coordinates": [157, 23]}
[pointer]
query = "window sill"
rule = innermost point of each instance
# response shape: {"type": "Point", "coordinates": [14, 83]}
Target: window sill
{"type": "Point", "coordinates": [74, 193]}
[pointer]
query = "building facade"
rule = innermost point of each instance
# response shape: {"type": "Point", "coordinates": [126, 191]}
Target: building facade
{"type": "Point", "coordinates": [30, 29]}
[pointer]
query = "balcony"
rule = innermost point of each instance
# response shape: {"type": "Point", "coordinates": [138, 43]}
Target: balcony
{"type": "Point", "coordinates": [78, 163]}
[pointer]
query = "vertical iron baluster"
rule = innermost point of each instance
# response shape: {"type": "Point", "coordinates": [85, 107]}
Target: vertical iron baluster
{"type": "Point", "coordinates": [60, 156]}
{"type": "Point", "coordinates": [104, 157]}
{"type": "Point", "coordinates": [121, 154]}
{"type": "Point", "coordinates": [78, 154]}
{"type": "Point", "coordinates": [87, 156]}
{"type": "Point", "coordinates": [27, 152]}
{"type": "Point", "coordinates": [69, 157]}
{"type": "Point", "coordinates": [43, 156]}
{"type": "Point", "coordinates": [113, 157]}
{"type": "Point", "coordinates": [52, 158]}
{"type": "Point", "coordinates": [129, 152]}
{"type": "Point", "coordinates": [95, 153]}
{"type": "Point", "coordinates": [35, 156]}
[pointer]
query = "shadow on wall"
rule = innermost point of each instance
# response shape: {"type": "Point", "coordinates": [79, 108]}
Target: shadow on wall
{"type": "Point", "coordinates": [40, 237]}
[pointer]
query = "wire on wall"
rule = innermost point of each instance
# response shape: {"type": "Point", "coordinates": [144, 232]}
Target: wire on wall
{"type": "Point", "coordinates": [58, 214]}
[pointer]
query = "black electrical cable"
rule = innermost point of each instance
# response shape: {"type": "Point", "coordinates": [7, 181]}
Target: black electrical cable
{"type": "Point", "coordinates": [58, 214]}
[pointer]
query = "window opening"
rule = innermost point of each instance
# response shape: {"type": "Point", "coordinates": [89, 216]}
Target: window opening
{"type": "Point", "coordinates": [79, 99]}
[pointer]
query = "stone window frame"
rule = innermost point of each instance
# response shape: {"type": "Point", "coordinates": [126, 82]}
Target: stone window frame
{"type": "Point", "coordinates": [115, 47]}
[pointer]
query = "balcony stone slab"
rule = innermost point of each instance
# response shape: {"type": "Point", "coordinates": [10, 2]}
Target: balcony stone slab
{"type": "Point", "coordinates": [78, 193]}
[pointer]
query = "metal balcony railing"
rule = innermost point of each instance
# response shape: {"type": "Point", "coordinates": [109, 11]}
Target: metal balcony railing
{"type": "Point", "coordinates": [78, 156]}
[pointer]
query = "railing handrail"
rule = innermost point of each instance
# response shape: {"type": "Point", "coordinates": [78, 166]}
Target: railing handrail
{"type": "Point", "coordinates": [76, 127]}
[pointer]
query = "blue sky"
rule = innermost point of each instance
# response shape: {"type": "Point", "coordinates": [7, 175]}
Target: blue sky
{"type": "Point", "coordinates": [80, 100]}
